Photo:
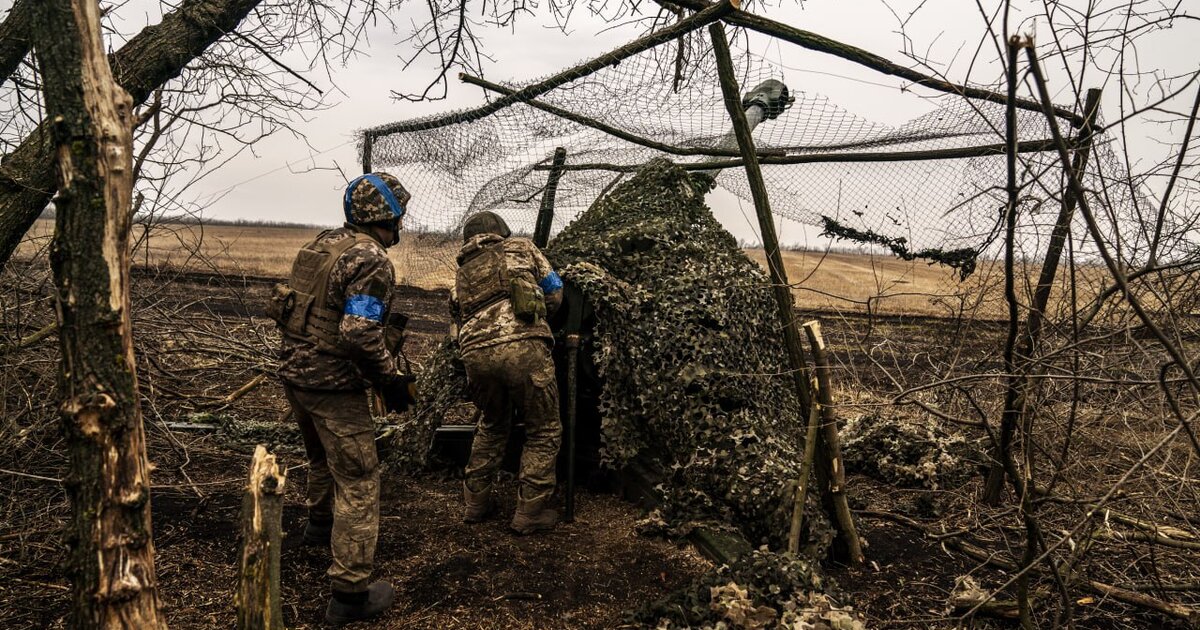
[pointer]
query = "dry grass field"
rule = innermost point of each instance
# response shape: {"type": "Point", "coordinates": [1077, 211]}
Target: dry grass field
{"type": "Point", "coordinates": [822, 281]}
{"type": "Point", "coordinates": [422, 260]}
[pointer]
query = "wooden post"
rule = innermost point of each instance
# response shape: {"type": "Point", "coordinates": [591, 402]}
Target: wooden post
{"type": "Point", "coordinates": [1062, 226]}
{"type": "Point", "coordinates": [541, 233]}
{"type": "Point", "coordinates": [831, 444]}
{"type": "Point", "coordinates": [806, 470]}
{"type": "Point", "coordinates": [766, 223]}
{"type": "Point", "coordinates": [572, 414]}
{"type": "Point", "coordinates": [368, 147]}
{"type": "Point", "coordinates": [257, 597]}
{"type": "Point", "coordinates": [110, 559]}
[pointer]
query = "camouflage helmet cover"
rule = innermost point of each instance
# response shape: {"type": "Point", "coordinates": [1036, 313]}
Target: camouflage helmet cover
{"type": "Point", "coordinates": [485, 223]}
{"type": "Point", "coordinates": [374, 198]}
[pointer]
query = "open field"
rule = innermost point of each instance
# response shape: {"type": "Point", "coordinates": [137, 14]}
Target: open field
{"type": "Point", "coordinates": [584, 575]}
{"type": "Point", "coordinates": [201, 337]}
{"type": "Point", "coordinates": [823, 281]}
{"type": "Point", "coordinates": [423, 260]}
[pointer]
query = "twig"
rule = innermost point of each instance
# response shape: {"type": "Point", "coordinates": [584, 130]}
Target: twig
{"type": "Point", "coordinates": [32, 338]}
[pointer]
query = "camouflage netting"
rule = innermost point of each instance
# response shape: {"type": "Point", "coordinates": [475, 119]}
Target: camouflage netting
{"type": "Point", "coordinates": [441, 387]}
{"type": "Point", "coordinates": [688, 348]}
{"type": "Point", "coordinates": [694, 375]}
{"type": "Point", "coordinates": [760, 590]}
{"type": "Point", "coordinates": [909, 453]}
{"type": "Point", "coordinates": [687, 345]}
{"type": "Point", "coordinates": [945, 211]}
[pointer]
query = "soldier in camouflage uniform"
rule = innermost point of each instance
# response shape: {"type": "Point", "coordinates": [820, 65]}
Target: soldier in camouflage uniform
{"type": "Point", "coordinates": [332, 314]}
{"type": "Point", "coordinates": [503, 291]}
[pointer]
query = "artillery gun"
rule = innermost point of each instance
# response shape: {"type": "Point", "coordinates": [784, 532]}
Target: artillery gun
{"type": "Point", "coordinates": [653, 243]}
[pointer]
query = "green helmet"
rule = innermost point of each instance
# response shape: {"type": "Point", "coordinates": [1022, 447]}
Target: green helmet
{"type": "Point", "coordinates": [485, 223]}
{"type": "Point", "coordinates": [375, 198]}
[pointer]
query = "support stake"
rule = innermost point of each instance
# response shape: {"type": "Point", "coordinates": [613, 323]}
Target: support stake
{"type": "Point", "coordinates": [831, 444]}
{"type": "Point", "coordinates": [762, 208]}
{"type": "Point", "coordinates": [574, 304]}
{"type": "Point", "coordinates": [368, 147]}
{"type": "Point", "coordinates": [810, 450]}
{"type": "Point", "coordinates": [541, 233]}
{"type": "Point", "coordinates": [1018, 380]}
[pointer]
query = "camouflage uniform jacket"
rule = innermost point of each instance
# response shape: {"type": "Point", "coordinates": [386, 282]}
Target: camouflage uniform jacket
{"type": "Point", "coordinates": [360, 287]}
{"type": "Point", "coordinates": [496, 323]}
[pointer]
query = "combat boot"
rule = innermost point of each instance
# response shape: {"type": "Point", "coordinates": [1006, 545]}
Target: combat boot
{"type": "Point", "coordinates": [532, 514]}
{"type": "Point", "coordinates": [317, 533]}
{"type": "Point", "coordinates": [478, 505]}
{"type": "Point", "coordinates": [347, 608]}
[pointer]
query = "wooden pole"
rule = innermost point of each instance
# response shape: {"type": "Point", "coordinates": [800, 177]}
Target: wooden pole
{"type": "Point", "coordinates": [782, 290]}
{"type": "Point", "coordinates": [605, 127]}
{"type": "Point", "coordinates": [258, 598]}
{"type": "Point", "coordinates": [806, 470]}
{"type": "Point", "coordinates": [1002, 455]}
{"type": "Point", "coordinates": [1062, 226]}
{"type": "Point", "coordinates": [572, 404]}
{"type": "Point", "coordinates": [831, 444]}
{"type": "Point", "coordinates": [368, 148]}
{"type": "Point", "coordinates": [574, 303]}
{"type": "Point", "coordinates": [818, 43]}
{"type": "Point", "coordinates": [545, 218]}
{"type": "Point", "coordinates": [611, 58]}
{"type": "Point", "coordinates": [766, 223]}
{"type": "Point", "coordinates": [770, 157]}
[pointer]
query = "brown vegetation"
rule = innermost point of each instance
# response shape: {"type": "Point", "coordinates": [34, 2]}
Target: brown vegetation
{"type": "Point", "coordinates": [822, 281]}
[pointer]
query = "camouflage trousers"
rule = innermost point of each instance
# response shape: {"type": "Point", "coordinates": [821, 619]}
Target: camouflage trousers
{"type": "Point", "coordinates": [516, 375]}
{"type": "Point", "coordinates": [343, 478]}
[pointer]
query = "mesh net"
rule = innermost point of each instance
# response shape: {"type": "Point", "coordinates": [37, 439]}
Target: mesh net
{"type": "Point", "coordinates": [882, 191]}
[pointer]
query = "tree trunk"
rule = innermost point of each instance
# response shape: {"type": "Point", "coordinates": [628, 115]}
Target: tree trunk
{"type": "Point", "coordinates": [154, 56]}
{"type": "Point", "coordinates": [258, 600]}
{"type": "Point", "coordinates": [111, 561]}
{"type": "Point", "coordinates": [14, 38]}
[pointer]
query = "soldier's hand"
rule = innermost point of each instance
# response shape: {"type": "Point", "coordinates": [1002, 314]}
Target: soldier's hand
{"type": "Point", "coordinates": [400, 393]}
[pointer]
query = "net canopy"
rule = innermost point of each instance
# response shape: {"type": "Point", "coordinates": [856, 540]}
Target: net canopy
{"type": "Point", "coordinates": [930, 188]}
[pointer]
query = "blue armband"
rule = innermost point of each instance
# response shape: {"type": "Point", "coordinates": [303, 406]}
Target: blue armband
{"type": "Point", "coordinates": [551, 283]}
{"type": "Point", "coordinates": [365, 306]}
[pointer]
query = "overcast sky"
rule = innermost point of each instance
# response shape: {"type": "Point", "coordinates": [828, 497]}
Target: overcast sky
{"type": "Point", "coordinates": [533, 49]}
{"type": "Point", "coordinates": [289, 179]}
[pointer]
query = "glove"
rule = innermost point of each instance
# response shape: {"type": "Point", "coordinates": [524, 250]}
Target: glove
{"type": "Point", "coordinates": [399, 393]}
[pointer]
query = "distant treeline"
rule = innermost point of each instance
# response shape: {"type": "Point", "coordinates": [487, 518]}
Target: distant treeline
{"type": "Point", "coordinates": [49, 214]}
{"type": "Point", "coordinates": [250, 223]}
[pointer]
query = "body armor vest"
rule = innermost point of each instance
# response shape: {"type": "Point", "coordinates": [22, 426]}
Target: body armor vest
{"type": "Point", "coordinates": [482, 278]}
{"type": "Point", "coordinates": [298, 306]}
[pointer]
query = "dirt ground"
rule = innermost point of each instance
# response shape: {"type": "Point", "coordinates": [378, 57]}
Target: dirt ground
{"type": "Point", "coordinates": [587, 574]}
{"type": "Point", "coordinates": [447, 574]}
